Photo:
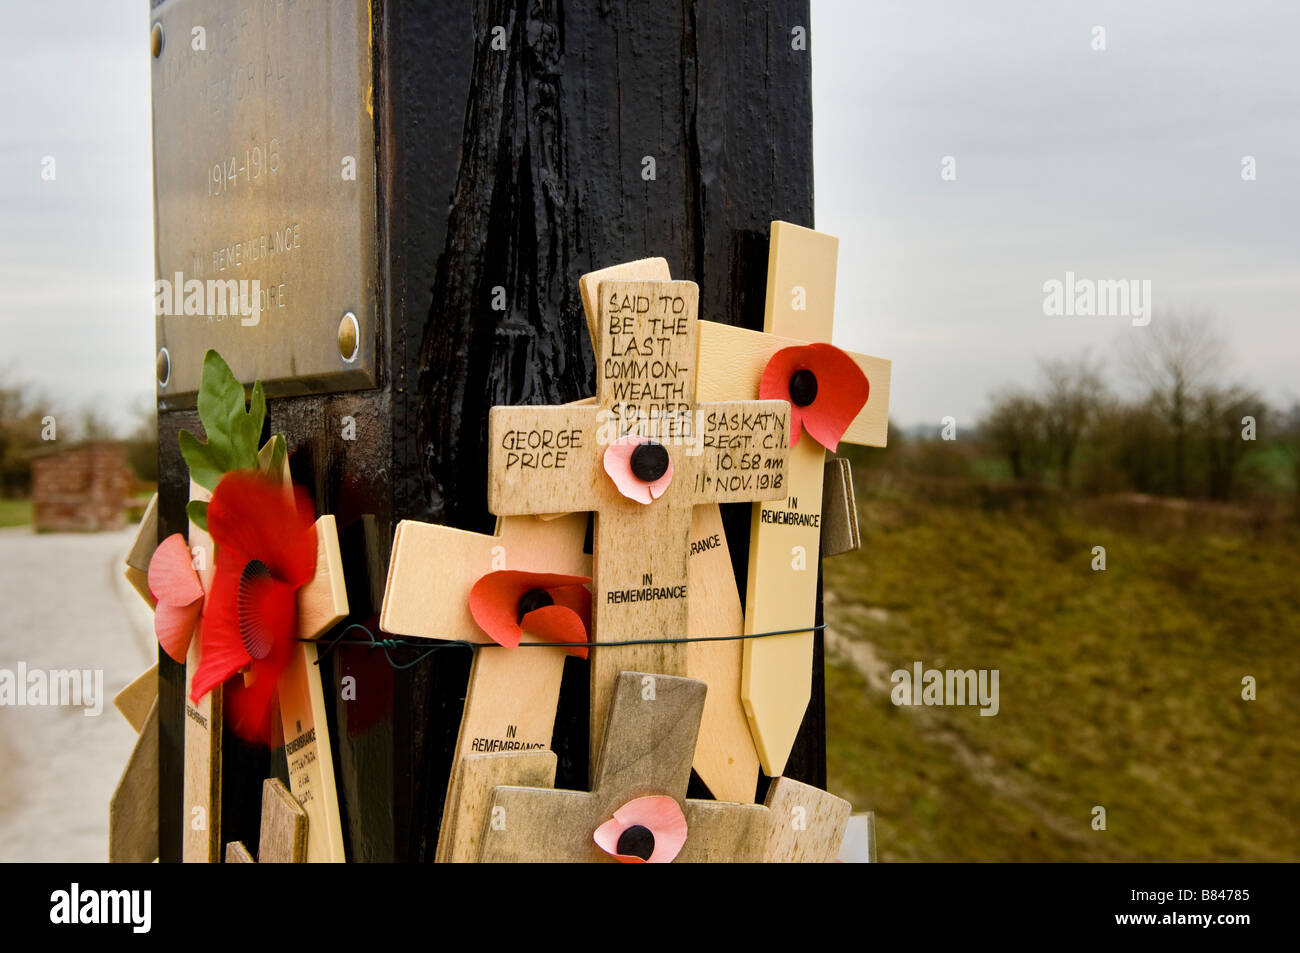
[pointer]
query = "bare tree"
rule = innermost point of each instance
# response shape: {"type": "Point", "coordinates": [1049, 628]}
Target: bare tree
{"type": "Point", "coordinates": [1014, 425]}
{"type": "Point", "coordinates": [142, 442]}
{"type": "Point", "coordinates": [1221, 411]}
{"type": "Point", "coordinates": [1073, 396]}
{"type": "Point", "coordinates": [1176, 357]}
{"type": "Point", "coordinates": [22, 412]}
{"type": "Point", "coordinates": [93, 424]}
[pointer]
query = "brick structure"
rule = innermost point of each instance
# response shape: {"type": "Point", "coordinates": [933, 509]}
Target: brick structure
{"type": "Point", "coordinates": [85, 488]}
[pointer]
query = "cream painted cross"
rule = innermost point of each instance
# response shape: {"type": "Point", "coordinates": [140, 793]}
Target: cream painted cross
{"type": "Point", "coordinates": [553, 459]}
{"type": "Point", "coordinates": [725, 758]}
{"type": "Point", "coordinates": [648, 747]}
{"type": "Point", "coordinates": [512, 695]}
{"type": "Point", "coordinates": [783, 549]}
{"type": "Point", "coordinates": [322, 604]}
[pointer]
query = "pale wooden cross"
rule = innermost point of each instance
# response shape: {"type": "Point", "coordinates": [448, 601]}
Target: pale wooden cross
{"type": "Point", "coordinates": [647, 750]}
{"type": "Point", "coordinates": [513, 693]}
{"type": "Point", "coordinates": [550, 459]}
{"type": "Point", "coordinates": [282, 838]}
{"type": "Point", "coordinates": [129, 822]}
{"type": "Point", "coordinates": [133, 809]}
{"type": "Point", "coordinates": [725, 758]}
{"type": "Point", "coordinates": [201, 780]}
{"type": "Point", "coordinates": [322, 604]}
{"type": "Point", "coordinates": [142, 550]}
{"type": "Point", "coordinates": [134, 701]}
{"type": "Point", "coordinates": [782, 584]}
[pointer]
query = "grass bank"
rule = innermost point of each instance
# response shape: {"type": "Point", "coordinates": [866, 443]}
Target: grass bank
{"type": "Point", "coordinates": [1119, 688]}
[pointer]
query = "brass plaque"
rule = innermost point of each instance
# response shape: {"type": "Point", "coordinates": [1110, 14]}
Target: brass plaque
{"type": "Point", "coordinates": [264, 193]}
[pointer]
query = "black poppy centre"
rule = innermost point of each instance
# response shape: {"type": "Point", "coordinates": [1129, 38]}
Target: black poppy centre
{"type": "Point", "coordinates": [649, 462]}
{"type": "Point", "coordinates": [636, 841]}
{"type": "Point", "coordinates": [533, 599]}
{"type": "Point", "coordinates": [803, 387]}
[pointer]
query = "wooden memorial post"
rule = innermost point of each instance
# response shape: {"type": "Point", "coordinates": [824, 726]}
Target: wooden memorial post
{"type": "Point", "coordinates": [512, 694]}
{"type": "Point", "coordinates": [784, 536]}
{"type": "Point", "coordinates": [544, 459]}
{"type": "Point", "coordinates": [425, 222]}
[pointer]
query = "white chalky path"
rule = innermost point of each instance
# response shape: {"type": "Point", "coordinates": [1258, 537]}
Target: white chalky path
{"type": "Point", "coordinates": [64, 604]}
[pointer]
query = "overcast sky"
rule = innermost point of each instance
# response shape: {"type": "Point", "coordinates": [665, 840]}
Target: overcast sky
{"type": "Point", "coordinates": [76, 253]}
{"type": "Point", "coordinates": [1119, 164]}
{"type": "Point", "coordinates": [1115, 164]}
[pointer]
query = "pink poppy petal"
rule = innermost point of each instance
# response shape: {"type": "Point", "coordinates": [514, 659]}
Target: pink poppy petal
{"type": "Point", "coordinates": [172, 579]}
{"type": "Point", "coordinates": [659, 813]}
{"type": "Point", "coordinates": [658, 487]}
{"type": "Point", "coordinates": [174, 626]}
{"type": "Point", "coordinates": [617, 460]}
{"type": "Point", "coordinates": [618, 464]}
{"type": "Point", "coordinates": [606, 837]}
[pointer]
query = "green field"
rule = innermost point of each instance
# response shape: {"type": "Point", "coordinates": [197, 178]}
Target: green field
{"type": "Point", "coordinates": [1120, 689]}
{"type": "Point", "coordinates": [15, 512]}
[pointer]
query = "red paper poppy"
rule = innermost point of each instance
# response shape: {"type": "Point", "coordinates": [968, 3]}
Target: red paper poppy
{"type": "Point", "coordinates": [266, 551]}
{"type": "Point", "coordinates": [645, 830]}
{"type": "Point", "coordinates": [825, 387]}
{"type": "Point", "coordinates": [550, 606]}
{"type": "Point", "coordinates": [640, 468]}
{"type": "Point", "coordinates": [177, 594]}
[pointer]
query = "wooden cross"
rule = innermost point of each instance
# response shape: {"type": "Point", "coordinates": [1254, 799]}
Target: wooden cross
{"type": "Point", "coordinates": [201, 782]}
{"type": "Point", "coordinates": [135, 701]}
{"type": "Point", "coordinates": [648, 747]}
{"type": "Point", "coordinates": [513, 693]}
{"type": "Point", "coordinates": [282, 838]}
{"type": "Point", "coordinates": [554, 459]}
{"type": "Point", "coordinates": [201, 778]}
{"type": "Point", "coordinates": [782, 586]}
{"type": "Point", "coordinates": [322, 604]}
{"type": "Point", "coordinates": [725, 758]}
{"type": "Point", "coordinates": [133, 810]}
{"type": "Point", "coordinates": [142, 550]}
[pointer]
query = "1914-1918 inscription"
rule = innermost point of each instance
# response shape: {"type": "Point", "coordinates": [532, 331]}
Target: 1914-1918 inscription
{"type": "Point", "coordinates": [265, 193]}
